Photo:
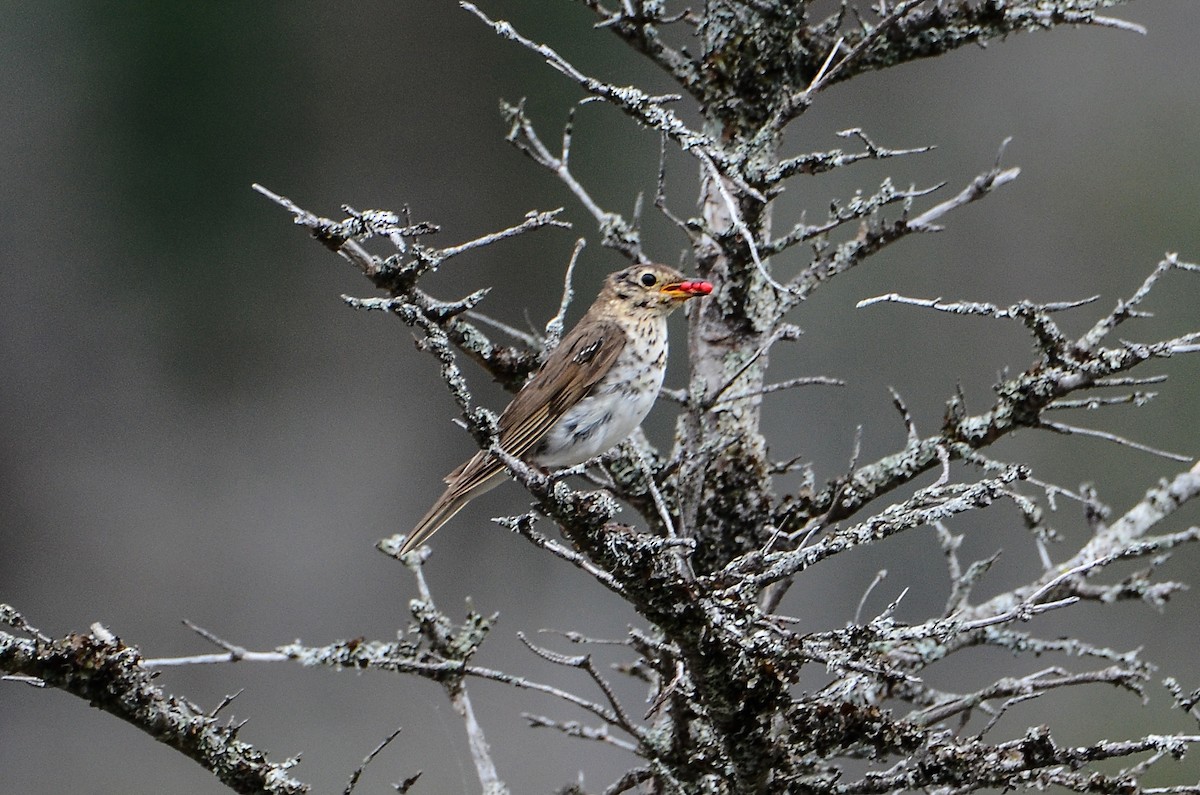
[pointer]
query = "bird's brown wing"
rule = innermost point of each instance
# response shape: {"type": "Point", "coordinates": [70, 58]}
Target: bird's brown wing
{"type": "Point", "coordinates": [583, 357]}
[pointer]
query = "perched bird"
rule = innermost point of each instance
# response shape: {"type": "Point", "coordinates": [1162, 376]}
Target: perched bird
{"type": "Point", "coordinates": [593, 390]}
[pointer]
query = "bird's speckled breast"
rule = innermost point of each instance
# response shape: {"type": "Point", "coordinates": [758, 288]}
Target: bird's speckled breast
{"type": "Point", "coordinates": [617, 403]}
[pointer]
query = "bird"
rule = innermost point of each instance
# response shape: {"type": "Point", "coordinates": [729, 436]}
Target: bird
{"type": "Point", "coordinates": [589, 395]}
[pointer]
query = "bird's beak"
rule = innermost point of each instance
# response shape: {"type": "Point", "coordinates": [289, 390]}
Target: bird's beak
{"type": "Point", "coordinates": [681, 291]}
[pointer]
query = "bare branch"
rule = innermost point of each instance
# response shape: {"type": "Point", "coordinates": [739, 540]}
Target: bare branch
{"type": "Point", "coordinates": [1127, 308]}
{"type": "Point", "coordinates": [857, 209]}
{"type": "Point", "coordinates": [616, 232]}
{"type": "Point", "coordinates": [877, 235]}
{"type": "Point", "coordinates": [791, 383]}
{"type": "Point", "coordinates": [739, 223]}
{"type": "Point", "coordinates": [573, 728]}
{"type": "Point", "coordinates": [1026, 687]}
{"type": "Point", "coordinates": [632, 101]}
{"type": "Point", "coordinates": [1069, 430]}
{"type": "Point", "coordinates": [1093, 402]}
{"type": "Point", "coordinates": [554, 328]}
{"type": "Point", "coordinates": [233, 653]}
{"type": "Point", "coordinates": [639, 28]}
{"type": "Point", "coordinates": [584, 662]}
{"type": "Point", "coordinates": [534, 219]}
{"type": "Point", "coordinates": [940, 28]}
{"type": "Point", "coordinates": [820, 162]}
{"type": "Point", "coordinates": [976, 308]}
{"type": "Point", "coordinates": [1066, 369]}
{"type": "Point", "coordinates": [629, 780]}
{"type": "Point", "coordinates": [358, 771]}
{"type": "Point", "coordinates": [524, 525]}
{"type": "Point", "coordinates": [981, 186]}
{"type": "Point", "coordinates": [481, 755]}
{"type": "Point", "coordinates": [926, 507]}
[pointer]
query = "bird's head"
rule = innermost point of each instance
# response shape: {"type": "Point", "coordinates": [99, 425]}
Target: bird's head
{"type": "Point", "coordinates": [655, 288]}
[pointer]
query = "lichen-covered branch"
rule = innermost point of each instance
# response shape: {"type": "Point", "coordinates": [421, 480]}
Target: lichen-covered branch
{"type": "Point", "coordinates": [102, 670]}
{"type": "Point", "coordinates": [1064, 367]}
{"type": "Point", "coordinates": [639, 23]}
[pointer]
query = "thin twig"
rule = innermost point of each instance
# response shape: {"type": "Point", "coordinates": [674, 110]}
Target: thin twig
{"type": "Point", "coordinates": [523, 336]}
{"type": "Point", "coordinates": [975, 308]}
{"type": "Point", "coordinates": [784, 332]}
{"type": "Point", "coordinates": [791, 383]}
{"type": "Point", "coordinates": [880, 576]}
{"type": "Point", "coordinates": [534, 219]}
{"type": "Point", "coordinates": [1074, 430]}
{"type": "Point", "coordinates": [632, 101]}
{"type": "Point", "coordinates": [574, 728]}
{"type": "Point", "coordinates": [1032, 605]}
{"type": "Point", "coordinates": [530, 143]}
{"type": "Point", "coordinates": [481, 755]}
{"type": "Point", "coordinates": [233, 653]}
{"type": "Point", "coordinates": [524, 525]}
{"type": "Point", "coordinates": [358, 771]}
{"type": "Point", "coordinates": [739, 224]}
{"type": "Point", "coordinates": [617, 717]}
{"type": "Point", "coordinates": [979, 187]}
{"type": "Point", "coordinates": [554, 328]}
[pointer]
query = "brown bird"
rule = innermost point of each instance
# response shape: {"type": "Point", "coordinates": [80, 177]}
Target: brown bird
{"type": "Point", "coordinates": [593, 390]}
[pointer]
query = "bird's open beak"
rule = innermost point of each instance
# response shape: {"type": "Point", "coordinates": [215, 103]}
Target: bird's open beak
{"type": "Point", "coordinates": [684, 290]}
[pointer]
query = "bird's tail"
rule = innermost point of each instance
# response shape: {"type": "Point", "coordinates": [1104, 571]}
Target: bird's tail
{"type": "Point", "coordinates": [453, 499]}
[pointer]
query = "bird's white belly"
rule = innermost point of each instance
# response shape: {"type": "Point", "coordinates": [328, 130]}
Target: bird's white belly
{"type": "Point", "coordinates": [599, 422]}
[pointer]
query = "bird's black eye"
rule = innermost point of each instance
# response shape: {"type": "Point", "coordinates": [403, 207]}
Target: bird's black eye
{"type": "Point", "coordinates": [649, 279]}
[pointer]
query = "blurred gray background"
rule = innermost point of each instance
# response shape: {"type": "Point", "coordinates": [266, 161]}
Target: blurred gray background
{"type": "Point", "coordinates": [193, 425]}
